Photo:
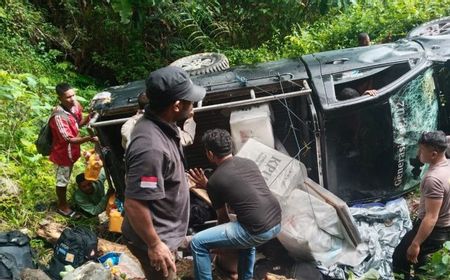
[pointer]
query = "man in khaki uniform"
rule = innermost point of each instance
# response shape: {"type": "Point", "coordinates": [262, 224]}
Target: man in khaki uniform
{"type": "Point", "coordinates": [432, 228]}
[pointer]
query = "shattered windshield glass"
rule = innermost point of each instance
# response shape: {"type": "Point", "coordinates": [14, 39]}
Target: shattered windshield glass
{"type": "Point", "coordinates": [371, 151]}
{"type": "Point", "coordinates": [414, 110]}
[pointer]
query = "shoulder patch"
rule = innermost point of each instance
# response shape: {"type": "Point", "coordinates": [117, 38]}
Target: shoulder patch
{"type": "Point", "coordinates": [149, 182]}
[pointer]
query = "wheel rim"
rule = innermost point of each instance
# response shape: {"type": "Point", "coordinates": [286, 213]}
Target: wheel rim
{"type": "Point", "coordinates": [202, 63]}
{"type": "Point", "coordinates": [437, 29]}
{"type": "Point", "coordinates": [197, 64]}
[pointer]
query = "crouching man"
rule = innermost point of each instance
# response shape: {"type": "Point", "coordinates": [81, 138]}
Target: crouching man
{"type": "Point", "coordinates": [238, 183]}
{"type": "Point", "coordinates": [90, 197]}
{"type": "Point", "coordinates": [433, 226]}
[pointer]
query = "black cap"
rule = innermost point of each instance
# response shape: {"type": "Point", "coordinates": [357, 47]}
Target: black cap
{"type": "Point", "coordinates": [174, 83]}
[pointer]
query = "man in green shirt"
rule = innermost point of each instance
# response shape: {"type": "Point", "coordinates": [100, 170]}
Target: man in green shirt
{"type": "Point", "coordinates": [90, 196]}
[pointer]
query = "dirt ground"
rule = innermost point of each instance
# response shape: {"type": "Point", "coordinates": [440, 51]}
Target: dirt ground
{"type": "Point", "coordinates": [184, 265]}
{"type": "Point", "coordinates": [185, 270]}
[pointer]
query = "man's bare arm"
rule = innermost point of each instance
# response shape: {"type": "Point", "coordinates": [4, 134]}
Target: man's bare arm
{"type": "Point", "coordinates": [82, 139]}
{"type": "Point", "coordinates": [432, 208]}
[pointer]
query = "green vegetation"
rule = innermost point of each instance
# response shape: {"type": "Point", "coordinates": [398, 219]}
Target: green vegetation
{"type": "Point", "coordinates": [29, 70]}
{"type": "Point", "coordinates": [92, 44]}
{"type": "Point", "coordinates": [438, 267]}
{"type": "Point", "coordinates": [121, 40]}
{"type": "Point", "coordinates": [384, 20]}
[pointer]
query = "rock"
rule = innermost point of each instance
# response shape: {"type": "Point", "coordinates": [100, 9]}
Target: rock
{"type": "Point", "coordinates": [49, 230]}
{"type": "Point", "coordinates": [89, 270]}
{"type": "Point", "coordinates": [33, 274]}
{"type": "Point", "coordinates": [8, 188]}
{"type": "Point", "coordinates": [105, 246]}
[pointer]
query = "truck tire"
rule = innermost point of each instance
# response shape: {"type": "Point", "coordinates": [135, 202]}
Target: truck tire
{"type": "Point", "coordinates": [202, 63]}
{"type": "Point", "coordinates": [435, 27]}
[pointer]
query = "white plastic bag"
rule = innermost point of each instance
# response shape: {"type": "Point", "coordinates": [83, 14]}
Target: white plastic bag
{"type": "Point", "coordinates": [281, 172]}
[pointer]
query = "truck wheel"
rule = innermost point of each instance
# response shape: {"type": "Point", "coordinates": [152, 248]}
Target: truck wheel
{"type": "Point", "coordinates": [202, 63]}
{"type": "Point", "coordinates": [435, 27]}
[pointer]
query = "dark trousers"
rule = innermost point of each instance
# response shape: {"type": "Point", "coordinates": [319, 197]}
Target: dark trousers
{"type": "Point", "coordinates": [432, 244]}
{"type": "Point", "coordinates": [150, 272]}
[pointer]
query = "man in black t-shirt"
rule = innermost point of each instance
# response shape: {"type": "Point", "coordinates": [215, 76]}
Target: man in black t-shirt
{"type": "Point", "coordinates": [157, 191]}
{"type": "Point", "coordinates": [238, 183]}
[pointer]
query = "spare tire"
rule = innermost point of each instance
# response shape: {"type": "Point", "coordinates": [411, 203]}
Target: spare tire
{"type": "Point", "coordinates": [202, 63]}
{"type": "Point", "coordinates": [435, 27]}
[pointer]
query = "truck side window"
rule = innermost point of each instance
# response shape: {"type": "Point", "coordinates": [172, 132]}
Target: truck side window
{"type": "Point", "coordinates": [348, 84]}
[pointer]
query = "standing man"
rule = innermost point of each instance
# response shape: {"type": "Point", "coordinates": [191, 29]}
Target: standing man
{"type": "Point", "coordinates": [64, 124]}
{"type": "Point", "coordinates": [157, 192]}
{"type": "Point", "coordinates": [363, 39]}
{"type": "Point", "coordinates": [432, 228]}
{"type": "Point", "coordinates": [128, 126]}
{"type": "Point", "coordinates": [238, 183]}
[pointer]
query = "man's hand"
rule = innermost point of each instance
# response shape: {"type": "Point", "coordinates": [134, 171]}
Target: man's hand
{"type": "Point", "coordinates": [432, 208]}
{"type": "Point", "coordinates": [371, 92]}
{"type": "Point", "coordinates": [197, 175]}
{"type": "Point", "coordinates": [412, 252]}
{"type": "Point", "coordinates": [161, 258]}
{"type": "Point", "coordinates": [94, 139]}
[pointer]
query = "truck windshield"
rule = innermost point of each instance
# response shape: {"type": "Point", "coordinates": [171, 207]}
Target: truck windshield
{"type": "Point", "coordinates": [371, 151]}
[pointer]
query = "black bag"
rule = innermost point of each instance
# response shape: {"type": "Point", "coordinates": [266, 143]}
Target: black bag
{"type": "Point", "coordinates": [44, 140]}
{"type": "Point", "coordinates": [15, 254]}
{"type": "Point", "coordinates": [200, 212]}
{"type": "Point", "coordinates": [74, 247]}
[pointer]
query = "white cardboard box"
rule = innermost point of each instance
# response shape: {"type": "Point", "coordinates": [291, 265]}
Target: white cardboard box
{"type": "Point", "coordinates": [255, 123]}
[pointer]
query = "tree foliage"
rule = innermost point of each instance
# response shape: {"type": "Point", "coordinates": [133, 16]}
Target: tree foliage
{"type": "Point", "coordinates": [385, 21]}
{"type": "Point", "coordinates": [121, 40]}
{"type": "Point", "coordinates": [45, 42]}
{"type": "Point", "coordinates": [438, 266]}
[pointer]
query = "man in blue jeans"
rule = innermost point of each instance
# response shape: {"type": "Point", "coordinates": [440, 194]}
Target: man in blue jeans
{"type": "Point", "coordinates": [238, 183]}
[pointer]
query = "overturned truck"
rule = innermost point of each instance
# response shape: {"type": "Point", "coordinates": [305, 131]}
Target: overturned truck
{"type": "Point", "coordinates": [316, 150]}
{"type": "Point", "coordinates": [361, 149]}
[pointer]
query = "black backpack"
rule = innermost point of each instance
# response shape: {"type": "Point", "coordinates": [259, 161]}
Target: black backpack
{"type": "Point", "coordinates": [74, 247]}
{"type": "Point", "coordinates": [44, 140]}
{"type": "Point", "coordinates": [15, 254]}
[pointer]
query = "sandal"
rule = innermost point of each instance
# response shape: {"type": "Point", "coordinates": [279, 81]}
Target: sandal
{"type": "Point", "coordinates": [71, 214]}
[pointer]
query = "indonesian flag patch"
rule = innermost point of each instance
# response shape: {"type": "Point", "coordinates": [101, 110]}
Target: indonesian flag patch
{"type": "Point", "coordinates": [149, 182]}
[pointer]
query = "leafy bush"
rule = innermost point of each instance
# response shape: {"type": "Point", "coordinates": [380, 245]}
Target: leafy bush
{"type": "Point", "coordinates": [122, 40]}
{"type": "Point", "coordinates": [28, 75]}
{"type": "Point", "coordinates": [26, 103]}
{"type": "Point", "coordinates": [438, 266]}
{"type": "Point", "coordinates": [383, 20]}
